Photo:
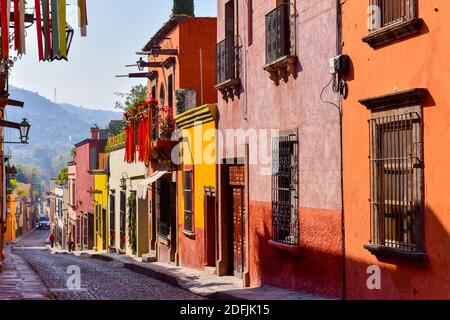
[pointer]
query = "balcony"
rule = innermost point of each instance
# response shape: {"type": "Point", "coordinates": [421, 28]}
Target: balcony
{"type": "Point", "coordinates": [280, 58]}
{"type": "Point", "coordinates": [392, 20]}
{"type": "Point", "coordinates": [226, 62]}
{"type": "Point", "coordinates": [162, 128]}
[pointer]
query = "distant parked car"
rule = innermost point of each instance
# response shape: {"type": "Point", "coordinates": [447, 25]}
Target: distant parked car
{"type": "Point", "coordinates": [44, 224]}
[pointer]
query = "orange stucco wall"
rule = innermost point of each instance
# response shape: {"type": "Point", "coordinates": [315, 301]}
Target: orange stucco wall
{"type": "Point", "coordinates": [419, 61]}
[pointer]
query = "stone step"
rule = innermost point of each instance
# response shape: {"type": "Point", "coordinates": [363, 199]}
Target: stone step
{"type": "Point", "coordinates": [149, 257]}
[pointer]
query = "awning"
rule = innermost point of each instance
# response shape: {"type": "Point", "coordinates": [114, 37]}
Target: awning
{"type": "Point", "coordinates": [142, 186]}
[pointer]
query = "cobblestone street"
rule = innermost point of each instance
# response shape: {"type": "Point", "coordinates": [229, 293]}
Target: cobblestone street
{"type": "Point", "coordinates": [100, 280]}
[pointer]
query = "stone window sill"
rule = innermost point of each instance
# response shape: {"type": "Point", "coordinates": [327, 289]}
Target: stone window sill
{"type": "Point", "coordinates": [283, 66]}
{"type": "Point", "coordinates": [393, 32]}
{"type": "Point", "coordinates": [395, 254]}
{"type": "Point", "coordinates": [291, 249]}
{"type": "Point", "coordinates": [189, 234]}
{"type": "Point", "coordinates": [229, 88]}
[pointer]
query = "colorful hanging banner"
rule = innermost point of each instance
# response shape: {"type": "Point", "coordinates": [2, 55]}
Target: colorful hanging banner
{"type": "Point", "coordinates": [62, 29]}
{"type": "Point", "coordinates": [37, 4]}
{"type": "Point", "coordinates": [16, 25]}
{"type": "Point", "coordinates": [47, 30]}
{"type": "Point", "coordinates": [21, 35]}
{"type": "Point", "coordinates": [55, 29]}
{"type": "Point", "coordinates": [5, 27]}
{"type": "Point", "coordinates": [82, 17]}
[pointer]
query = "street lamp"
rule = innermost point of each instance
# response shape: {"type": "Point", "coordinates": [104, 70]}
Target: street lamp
{"type": "Point", "coordinates": [24, 131]}
{"type": "Point", "coordinates": [141, 64]}
{"type": "Point", "coordinates": [123, 181]}
{"type": "Point", "coordinates": [23, 127]}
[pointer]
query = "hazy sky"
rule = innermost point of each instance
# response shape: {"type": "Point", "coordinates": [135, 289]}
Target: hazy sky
{"type": "Point", "coordinates": [117, 29]}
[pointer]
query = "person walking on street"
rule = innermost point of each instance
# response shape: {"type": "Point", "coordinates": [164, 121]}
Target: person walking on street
{"type": "Point", "coordinates": [52, 239]}
{"type": "Point", "coordinates": [70, 243]}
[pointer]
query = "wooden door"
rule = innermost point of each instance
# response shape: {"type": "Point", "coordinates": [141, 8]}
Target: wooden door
{"type": "Point", "coordinates": [237, 192]}
{"type": "Point", "coordinates": [238, 231]}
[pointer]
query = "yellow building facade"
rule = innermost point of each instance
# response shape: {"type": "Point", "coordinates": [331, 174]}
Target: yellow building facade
{"type": "Point", "coordinates": [10, 234]}
{"type": "Point", "coordinates": [197, 186]}
{"type": "Point", "coordinates": [101, 236]}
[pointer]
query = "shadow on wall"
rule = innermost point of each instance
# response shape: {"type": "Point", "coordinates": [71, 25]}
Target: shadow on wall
{"type": "Point", "coordinates": [398, 280]}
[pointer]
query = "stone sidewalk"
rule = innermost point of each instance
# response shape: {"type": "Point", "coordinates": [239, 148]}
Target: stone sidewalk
{"type": "Point", "coordinates": [19, 281]}
{"type": "Point", "coordinates": [204, 284]}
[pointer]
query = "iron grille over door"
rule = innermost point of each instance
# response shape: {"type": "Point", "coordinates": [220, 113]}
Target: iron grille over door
{"type": "Point", "coordinates": [397, 181]}
{"type": "Point", "coordinates": [393, 11]}
{"type": "Point", "coordinates": [285, 189]}
{"type": "Point", "coordinates": [277, 33]}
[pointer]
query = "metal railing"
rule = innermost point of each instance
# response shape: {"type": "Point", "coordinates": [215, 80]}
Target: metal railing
{"type": "Point", "coordinates": [393, 11]}
{"type": "Point", "coordinates": [277, 33]}
{"type": "Point", "coordinates": [226, 56]}
{"type": "Point", "coordinates": [162, 130]}
{"type": "Point", "coordinates": [396, 181]}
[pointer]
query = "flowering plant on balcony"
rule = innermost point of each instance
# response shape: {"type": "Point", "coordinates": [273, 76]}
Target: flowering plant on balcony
{"type": "Point", "coordinates": [166, 122]}
{"type": "Point", "coordinates": [139, 111]}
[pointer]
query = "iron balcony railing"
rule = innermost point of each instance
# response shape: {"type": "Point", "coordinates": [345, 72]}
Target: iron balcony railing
{"type": "Point", "coordinates": [277, 33]}
{"type": "Point", "coordinates": [396, 181]}
{"type": "Point", "coordinates": [162, 125]}
{"type": "Point", "coordinates": [226, 57]}
{"type": "Point", "coordinates": [389, 12]}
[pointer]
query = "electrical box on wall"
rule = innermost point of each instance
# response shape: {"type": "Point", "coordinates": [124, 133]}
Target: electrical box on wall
{"type": "Point", "coordinates": [339, 64]}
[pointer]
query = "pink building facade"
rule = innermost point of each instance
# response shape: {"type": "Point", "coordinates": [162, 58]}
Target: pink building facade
{"type": "Point", "coordinates": [279, 193]}
{"type": "Point", "coordinates": [86, 160]}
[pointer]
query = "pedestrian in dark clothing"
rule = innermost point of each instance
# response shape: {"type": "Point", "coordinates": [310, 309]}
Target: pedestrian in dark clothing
{"type": "Point", "coordinates": [70, 244]}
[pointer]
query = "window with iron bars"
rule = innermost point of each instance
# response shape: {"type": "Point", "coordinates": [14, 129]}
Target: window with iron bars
{"type": "Point", "coordinates": [285, 189]}
{"type": "Point", "coordinates": [188, 212]}
{"type": "Point", "coordinates": [396, 170]}
{"type": "Point", "coordinates": [389, 12]}
{"type": "Point", "coordinates": [278, 42]}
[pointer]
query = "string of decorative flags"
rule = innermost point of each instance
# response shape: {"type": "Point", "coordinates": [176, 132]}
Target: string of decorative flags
{"type": "Point", "coordinates": [53, 32]}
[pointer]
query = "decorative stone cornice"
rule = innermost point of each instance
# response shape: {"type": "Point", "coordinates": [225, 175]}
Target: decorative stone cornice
{"type": "Point", "coordinates": [393, 32]}
{"type": "Point", "coordinates": [412, 97]}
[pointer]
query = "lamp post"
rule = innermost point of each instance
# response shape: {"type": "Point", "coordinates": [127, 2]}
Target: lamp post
{"type": "Point", "coordinates": [23, 127]}
{"type": "Point", "coordinates": [123, 181]}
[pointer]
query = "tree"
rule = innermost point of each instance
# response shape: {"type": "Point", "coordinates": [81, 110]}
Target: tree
{"type": "Point", "coordinates": [63, 176]}
{"type": "Point", "coordinates": [183, 7]}
{"type": "Point", "coordinates": [137, 95]}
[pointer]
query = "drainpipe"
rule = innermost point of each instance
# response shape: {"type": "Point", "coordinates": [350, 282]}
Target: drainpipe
{"type": "Point", "coordinates": [339, 51]}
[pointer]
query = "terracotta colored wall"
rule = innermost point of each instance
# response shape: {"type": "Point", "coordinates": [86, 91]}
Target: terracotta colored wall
{"type": "Point", "coordinates": [196, 34]}
{"type": "Point", "coordinates": [293, 104]}
{"type": "Point", "coordinates": [185, 37]}
{"type": "Point", "coordinates": [420, 61]}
